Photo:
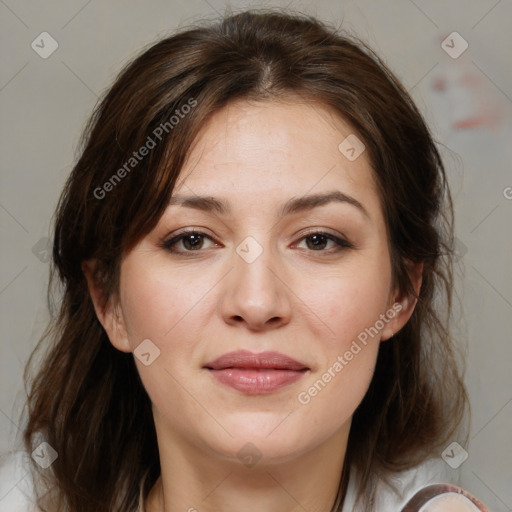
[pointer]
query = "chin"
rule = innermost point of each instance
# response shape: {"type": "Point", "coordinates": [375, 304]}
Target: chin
{"type": "Point", "coordinates": [262, 438]}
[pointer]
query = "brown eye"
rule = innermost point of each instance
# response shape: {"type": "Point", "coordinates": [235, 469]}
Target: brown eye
{"type": "Point", "coordinates": [316, 242]}
{"type": "Point", "coordinates": [319, 241]}
{"type": "Point", "coordinates": [191, 241]}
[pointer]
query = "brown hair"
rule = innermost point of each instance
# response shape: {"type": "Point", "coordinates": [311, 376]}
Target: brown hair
{"type": "Point", "coordinates": [87, 400]}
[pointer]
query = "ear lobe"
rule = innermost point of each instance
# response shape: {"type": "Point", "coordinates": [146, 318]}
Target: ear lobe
{"type": "Point", "coordinates": [106, 310]}
{"type": "Point", "coordinates": [403, 303]}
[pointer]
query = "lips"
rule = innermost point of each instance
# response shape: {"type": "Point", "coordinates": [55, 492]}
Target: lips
{"type": "Point", "coordinates": [243, 359]}
{"type": "Point", "coordinates": [256, 373]}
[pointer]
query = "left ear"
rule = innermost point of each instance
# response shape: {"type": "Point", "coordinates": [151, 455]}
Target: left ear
{"type": "Point", "coordinates": [106, 309]}
{"type": "Point", "coordinates": [402, 303]}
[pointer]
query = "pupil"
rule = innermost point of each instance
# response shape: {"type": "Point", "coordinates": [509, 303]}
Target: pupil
{"type": "Point", "coordinates": [193, 240]}
{"type": "Point", "coordinates": [318, 240]}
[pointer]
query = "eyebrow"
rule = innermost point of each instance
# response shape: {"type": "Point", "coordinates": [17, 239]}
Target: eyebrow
{"type": "Point", "coordinates": [294, 205]}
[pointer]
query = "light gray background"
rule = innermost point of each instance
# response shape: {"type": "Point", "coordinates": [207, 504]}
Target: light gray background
{"type": "Point", "coordinates": [45, 103]}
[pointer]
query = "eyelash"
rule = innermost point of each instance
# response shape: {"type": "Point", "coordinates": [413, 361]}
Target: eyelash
{"type": "Point", "coordinates": [168, 244]}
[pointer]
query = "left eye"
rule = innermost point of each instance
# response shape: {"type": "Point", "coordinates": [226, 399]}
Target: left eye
{"type": "Point", "coordinates": [193, 241]}
{"type": "Point", "coordinates": [318, 241]}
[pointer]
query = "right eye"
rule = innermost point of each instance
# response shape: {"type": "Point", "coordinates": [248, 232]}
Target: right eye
{"type": "Point", "coordinates": [190, 241]}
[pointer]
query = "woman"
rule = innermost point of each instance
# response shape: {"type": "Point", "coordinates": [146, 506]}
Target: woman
{"type": "Point", "coordinates": [250, 247]}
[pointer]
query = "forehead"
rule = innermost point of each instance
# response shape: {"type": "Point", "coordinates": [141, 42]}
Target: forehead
{"type": "Point", "coordinates": [271, 148]}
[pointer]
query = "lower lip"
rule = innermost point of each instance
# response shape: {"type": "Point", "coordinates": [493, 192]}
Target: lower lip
{"type": "Point", "coordinates": [257, 382]}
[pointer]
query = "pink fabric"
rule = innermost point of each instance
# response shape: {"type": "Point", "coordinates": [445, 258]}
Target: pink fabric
{"type": "Point", "coordinates": [443, 497]}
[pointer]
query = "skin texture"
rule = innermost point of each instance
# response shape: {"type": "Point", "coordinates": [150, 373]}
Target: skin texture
{"type": "Point", "coordinates": [306, 302]}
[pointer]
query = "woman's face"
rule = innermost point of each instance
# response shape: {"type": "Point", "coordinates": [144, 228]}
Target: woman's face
{"type": "Point", "coordinates": [292, 260]}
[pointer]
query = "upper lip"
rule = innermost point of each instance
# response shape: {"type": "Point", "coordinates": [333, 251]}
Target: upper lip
{"type": "Point", "coordinates": [249, 360]}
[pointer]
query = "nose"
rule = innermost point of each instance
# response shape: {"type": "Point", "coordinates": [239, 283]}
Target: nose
{"type": "Point", "coordinates": [255, 294]}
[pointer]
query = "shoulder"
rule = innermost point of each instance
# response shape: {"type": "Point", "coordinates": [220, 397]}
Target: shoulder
{"type": "Point", "coordinates": [443, 498]}
{"type": "Point", "coordinates": [402, 491]}
{"type": "Point", "coordinates": [16, 484]}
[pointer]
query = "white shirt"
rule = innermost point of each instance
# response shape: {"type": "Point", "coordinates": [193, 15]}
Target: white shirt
{"type": "Point", "coordinates": [17, 492]}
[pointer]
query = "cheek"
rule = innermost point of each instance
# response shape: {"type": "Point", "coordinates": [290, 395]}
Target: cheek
{"type": "Point", "coordinates": [331, 398]}
{"type": "Point", "coordinates": [171, 309]}
{"type": "Point", "coordinates": [352, 304]}
{"type": "Point", "coordinates": [166, 310]}
{"type": "Point", "coordinates": [352, 301]}
{"type": "Point", "coordinates": [337, 387]}
{"type": "Point", "coordinates": [149, 309]}
{"type": "Point", "coordinates": [156, 304]}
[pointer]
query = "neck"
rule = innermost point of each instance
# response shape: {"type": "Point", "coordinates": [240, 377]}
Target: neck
{"type": "Point", "coordinates": [194, 481]}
